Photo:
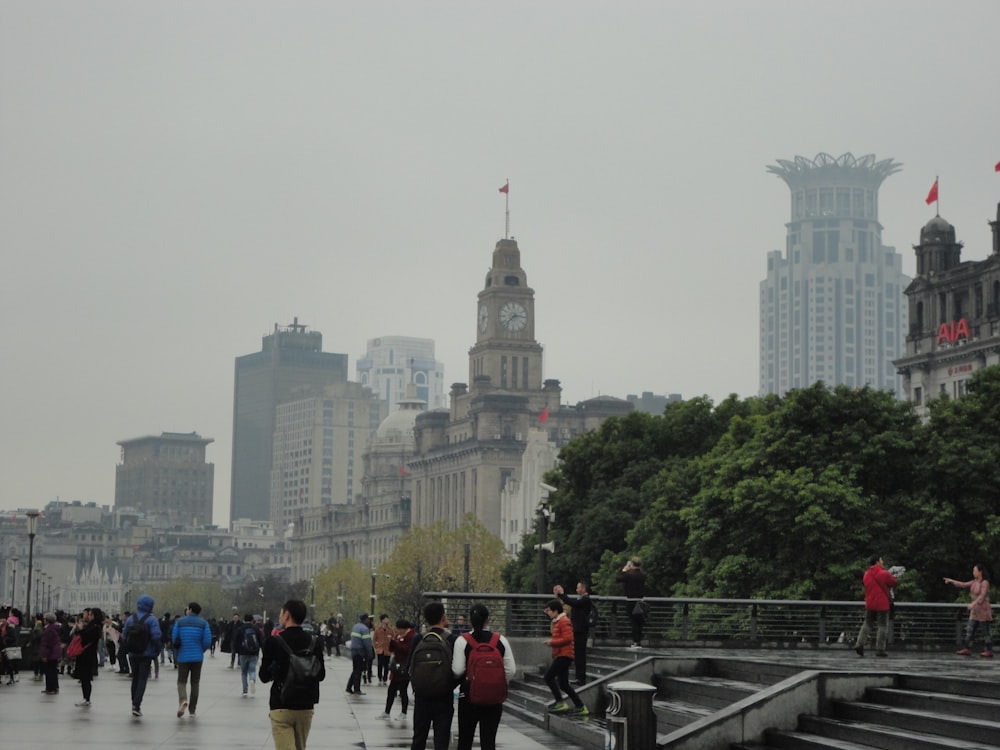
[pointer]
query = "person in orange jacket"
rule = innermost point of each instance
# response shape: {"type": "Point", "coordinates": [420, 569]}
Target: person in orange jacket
{"type": "Point", "coordinates": [557, 675]}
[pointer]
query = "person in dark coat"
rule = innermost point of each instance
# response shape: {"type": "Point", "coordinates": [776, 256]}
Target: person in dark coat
{"type": "Point", "coordinates": [86, 663]}
{"type": "Point", "coordinates": [50, 653]}
{"type": "Point", "coordinates": [633, 579]}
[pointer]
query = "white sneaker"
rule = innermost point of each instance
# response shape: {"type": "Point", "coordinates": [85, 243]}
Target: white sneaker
{"type": "Point", "coordinates": [82, 704]}
{"type": "Point", "coordinates": [253, 687]}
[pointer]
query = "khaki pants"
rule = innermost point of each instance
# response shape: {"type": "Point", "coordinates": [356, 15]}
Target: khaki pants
{"type": "Point", "coordinates": [290, 728]}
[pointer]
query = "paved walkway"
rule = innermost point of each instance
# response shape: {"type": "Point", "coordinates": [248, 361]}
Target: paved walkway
{"type": "Point", "coordinates": [225, 720]}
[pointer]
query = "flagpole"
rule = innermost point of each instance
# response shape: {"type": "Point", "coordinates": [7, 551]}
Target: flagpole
{"type": "Point", "coordinates": [937, 202]}
{"type": "Point", "coordinates": [506, 206]}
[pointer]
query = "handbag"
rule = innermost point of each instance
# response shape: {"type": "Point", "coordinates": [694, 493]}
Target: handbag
{"type": "Point", "coordinates": [640, 609]}
{"type": "Point", "coordinates": [398, 668]}
{"type": "Point", "coordinates": [76, 647]}
{"type": "Point", "coordinates": [13, 653]}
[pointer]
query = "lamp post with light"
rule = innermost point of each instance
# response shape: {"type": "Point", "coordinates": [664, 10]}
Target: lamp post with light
{"type": "Point", "coordinates": [13, 580]}
{"type": "Point", "coordinates": [32, 530]}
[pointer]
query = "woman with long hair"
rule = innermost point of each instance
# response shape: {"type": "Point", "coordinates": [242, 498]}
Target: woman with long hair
{"type": "Point", "coordinates": [470, 712]}
{"type": "Point", "coordinates": [980, 611]}
{"type": "Point", "coordinates": [86, 663]}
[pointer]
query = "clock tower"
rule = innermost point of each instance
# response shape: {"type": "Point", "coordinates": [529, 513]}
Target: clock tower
{"type": "Point", "coordinates": [506, 356]}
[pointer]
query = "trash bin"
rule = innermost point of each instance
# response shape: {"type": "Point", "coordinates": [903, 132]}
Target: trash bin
{"type": "Point", "coordinates": [631, 721]}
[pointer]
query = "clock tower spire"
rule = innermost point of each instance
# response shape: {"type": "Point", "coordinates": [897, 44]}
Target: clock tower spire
{"type": "Point", "coordinates": [506, 355]}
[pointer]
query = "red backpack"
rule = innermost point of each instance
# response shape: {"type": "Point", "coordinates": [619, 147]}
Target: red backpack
{"type": "Point", "coordinates": [484, 672]}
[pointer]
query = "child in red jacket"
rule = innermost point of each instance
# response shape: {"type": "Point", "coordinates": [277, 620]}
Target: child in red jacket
{"type": "Point", "coordinates": [557, 675]}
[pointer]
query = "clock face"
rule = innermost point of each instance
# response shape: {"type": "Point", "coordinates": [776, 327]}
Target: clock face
{"type": "Point", "coordinates": [513, 316]}
{"type": "Point", "coordinates": [484, 317]}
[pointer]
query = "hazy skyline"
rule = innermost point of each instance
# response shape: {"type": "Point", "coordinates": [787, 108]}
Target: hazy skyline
{"type": "Point", "coordinates": [177, 177]}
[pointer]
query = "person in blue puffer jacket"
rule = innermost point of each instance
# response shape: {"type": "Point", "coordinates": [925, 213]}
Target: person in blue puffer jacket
{"type": "Point", "coordinates": [143, 629]}
{"type": "Point", "coordinates": [191, 637]}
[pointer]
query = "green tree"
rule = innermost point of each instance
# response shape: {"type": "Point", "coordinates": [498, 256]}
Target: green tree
{"type": "Point", "coordinates": [432, 558]}
{"type": "Point", "coordinates": [174, 596]}
{"type": "Point", "coordinates": [343, 589]}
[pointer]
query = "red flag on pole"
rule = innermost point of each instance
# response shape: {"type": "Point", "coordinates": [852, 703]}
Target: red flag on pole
{"type": "Point", "coordinates": [402, 470]}
{"type": "Point", "coordinates": [933, 194]}
{"type": "Point", "coordinates": [544, 416]}
{"type": "Point", "coordinates": [997, 167]}
{"type": "Point", "coordinates": [506, 187]}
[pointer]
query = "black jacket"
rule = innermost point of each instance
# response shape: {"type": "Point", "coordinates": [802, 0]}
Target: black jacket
{"type": "Point", "coordinates": [274, 663]}
{"type": "Point", "coordinates": [579, 613]}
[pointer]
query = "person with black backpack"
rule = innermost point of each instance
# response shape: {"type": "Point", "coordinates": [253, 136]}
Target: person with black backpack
{"type": "Point", "coordinates": [293, 660]}
{"type": "Point", "coordinates": [141, 639]}
{"type": "Point", "coordinates": [432, 680]}
{"type": "Point", "coordinates": [484, 663]}
{"type": "Point", "coordinates": [248, 642]}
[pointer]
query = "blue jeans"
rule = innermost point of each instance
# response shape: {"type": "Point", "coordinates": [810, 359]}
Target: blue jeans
{"type": "Point", "coordinates": [140, 676]}
{"type": "Point", "coordinates": [248, 666]}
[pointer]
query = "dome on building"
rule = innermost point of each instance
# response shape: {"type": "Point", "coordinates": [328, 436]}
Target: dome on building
{"type": "Point", "coordinates": [398, 426]}
{"type": "Point", "coordinates": [936, 231]}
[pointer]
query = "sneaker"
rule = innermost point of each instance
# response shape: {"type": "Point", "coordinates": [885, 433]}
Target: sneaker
{"type": "Point", "coordinates": [881, 654]}
{"type": "Point", "coordinates": [191, 714]}
{"type": "Point", "coordinates": [50, 692]}
{"type": "Point", "coordinates": [581, 711]}
{"type": "Point", "coordinates": [384, 715]}
{"type": "Point", "coordinates": [82, 704]}
{"type": "Point", "coordinates": [136, 711]}
{"type": "Point", "coordinates": [244, 695]}
{"type": "Point", "coordinates": [559, 708]}
{"type": "Point", "coordinates": [859, 650]}
{"type": "Point", "coordinates": [964, 652]}
{"type": "Point", "coordinates": [358, 692]}
{"type": "Point", "coordinates": [987, 654]}
{"type": "Point", "coordinates": [181, 709]}
{"type": "Point", "coordinates": [634, 645]}
{"type": "Point", "coordinates": [253, 687]}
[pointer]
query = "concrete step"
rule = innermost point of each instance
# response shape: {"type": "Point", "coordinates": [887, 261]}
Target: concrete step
{"type": "Point", "coordinates": [867, 734]}
{"type": "Point", "coordinates": [671, 715]}
{"type": "Point", "coordinates": [925, 722]}
{"type": "Point", "coordinates": [777, 740]}
{"type": "Point", "coordinates": [952, 685]}
{"type": "Point", "coordinates": [937, 702]}
{"type": "Point", "coordinates": [711, 692]}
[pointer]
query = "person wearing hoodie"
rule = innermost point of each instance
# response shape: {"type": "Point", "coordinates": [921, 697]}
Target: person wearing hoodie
{"type": "Point", "coordinates": [141, 640]}
{"type": "Point", "coordinates": [190, 638]}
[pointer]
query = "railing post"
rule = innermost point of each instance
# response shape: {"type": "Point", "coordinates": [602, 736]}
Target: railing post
{"type": "Point", "coordinates": [822, 624]}
{"type": "Point", "coordinates": [685, 620]}
{"type": "Point", "coordinates": [753, 622]}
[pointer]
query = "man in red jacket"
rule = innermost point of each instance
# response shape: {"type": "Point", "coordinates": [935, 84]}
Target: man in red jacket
{"type": "Point", "coordinates": [877, 583]}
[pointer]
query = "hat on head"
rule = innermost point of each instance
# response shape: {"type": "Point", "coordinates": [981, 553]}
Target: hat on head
{"type": "Point", "coordinates": [363, 616]}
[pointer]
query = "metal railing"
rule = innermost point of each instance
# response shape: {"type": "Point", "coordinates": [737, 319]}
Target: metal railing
{"type": "Point", "coordinates": [733, 622]}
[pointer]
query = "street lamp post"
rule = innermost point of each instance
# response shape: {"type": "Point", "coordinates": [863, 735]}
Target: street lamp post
{"type": "Point", "coordinates": [13, 581]}
{"type": "Point", "coordinates": [373, 597]}
{"type": "Point", "coordinates": [32, 529]}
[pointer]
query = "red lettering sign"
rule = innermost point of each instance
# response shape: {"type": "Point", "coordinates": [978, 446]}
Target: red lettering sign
{"type": "Point", "coordinates": [953, 331]}
{"type": "Point", "coordinates": [959, 368]}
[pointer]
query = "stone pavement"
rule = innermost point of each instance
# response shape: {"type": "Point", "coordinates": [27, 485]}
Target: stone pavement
{"type": "Point", "coordinates": [225, 720]}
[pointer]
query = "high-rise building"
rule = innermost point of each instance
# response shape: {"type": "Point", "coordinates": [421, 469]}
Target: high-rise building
{"type": "Point", "coordinates": [319, 439]}
{"type": "Point", "coordinates": [290, 358]}
{"type": "Point", "coordinates": [167, 476]}
{"type": "Point", "coordinates": [954, 315]}
{"type": "Point", "coordinates": [391, 363]}
{"type": "Point", "coordinates": [832, 306]}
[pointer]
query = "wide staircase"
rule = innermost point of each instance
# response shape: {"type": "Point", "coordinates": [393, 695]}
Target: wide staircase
{"type": "Point", "coordinates": [715, 703]}
{"type": "Point", "coordinates": [917, 713]}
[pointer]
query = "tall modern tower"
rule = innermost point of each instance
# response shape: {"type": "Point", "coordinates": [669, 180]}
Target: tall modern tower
{"type": "Point", "coordinates": [291, 363]}
{"type": "Point", "coordinates": [832, 307]}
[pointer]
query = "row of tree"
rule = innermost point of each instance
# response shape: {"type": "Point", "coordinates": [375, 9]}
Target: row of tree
{"type": "Point", "coordinates": [781, 498]}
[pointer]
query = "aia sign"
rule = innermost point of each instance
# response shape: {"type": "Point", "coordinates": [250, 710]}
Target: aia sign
{"type": "Point", "coordinates": [951, 332]}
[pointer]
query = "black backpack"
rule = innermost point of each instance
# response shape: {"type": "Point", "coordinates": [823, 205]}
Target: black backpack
{"type": "Point", "coordinates": [137, 639]}
{"type": "Point", "coordinates": [430, 667]}
{"type": "Point", "coordinates": [251, 641]}
{"type": "Point", "coordinates": [301, 683]}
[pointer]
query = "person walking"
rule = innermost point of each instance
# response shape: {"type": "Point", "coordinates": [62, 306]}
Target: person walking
{"type": "Point", "coordinates": [399, 678]}
{"type": "Point", "coordinates": [190, 638]}
{"type": "Point", "coordinates": [877, 582]}
{"type": "Point", "coordinates": [50, 653]}
{"type": "Point", "coordinates": [229, 633]}
{"type": "Point", "coordinates": [433, 705]}
{"type": "Point", "coordinates": [381, 636]}
{"type": "Point", "coordinates": [557, 675]}
{"type": "Point", "coordinates": [633, 579]}
{"type": "Point", "coordinates": [291, 703]}
{"type": "Point", "coordinates": [248, 645]}
{"type": "Point", "coordinates": [141, 639]}
{"type": "Point", "coordinates": [362, 653]}
{"type": "Point", "coordinates": [980, 610]}
{"type": "Point", "coordinates": [85, 666]}
{"type": "Point", "coordinates": [466, 662]}
{"type": "Point", "coordinates": [579, 616]}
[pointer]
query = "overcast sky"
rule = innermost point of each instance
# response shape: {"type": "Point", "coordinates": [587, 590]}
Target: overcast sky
{"type": "Point", "coordinates": [177, 177]}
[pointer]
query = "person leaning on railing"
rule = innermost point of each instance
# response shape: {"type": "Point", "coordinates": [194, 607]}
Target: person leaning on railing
{"type": "Point", "coordinates": [633, 580]}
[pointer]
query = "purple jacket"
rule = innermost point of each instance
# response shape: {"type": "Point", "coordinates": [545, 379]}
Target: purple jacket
{"type": "Point", "coordinates": [51, 647]}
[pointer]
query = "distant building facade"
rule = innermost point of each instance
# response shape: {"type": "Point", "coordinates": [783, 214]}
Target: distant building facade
{"type": "Point", "coordinates": [650, 403]}
{"type": "Point", "coordinates": [290, 358]}
{"type": "Point", "coordinates": [167, 476]}
{"type": "Point", "coordinates": [319, 440]}
{"type": "Point", "coordinates": [832, 306]}
{"type": "Point", "coordinates": [393, 363]}
{"type": "Point", "coordinates": [954, 310]}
